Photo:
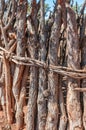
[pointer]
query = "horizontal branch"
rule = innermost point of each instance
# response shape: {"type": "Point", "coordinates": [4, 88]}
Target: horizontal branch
{"type": "Point", "coordinates": [76, 74]}
{"type": "Point", "coordinates": [80, 89]}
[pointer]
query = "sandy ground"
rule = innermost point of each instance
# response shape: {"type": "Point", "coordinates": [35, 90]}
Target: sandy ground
{"type": "Point", "coordinates": [5, 126]}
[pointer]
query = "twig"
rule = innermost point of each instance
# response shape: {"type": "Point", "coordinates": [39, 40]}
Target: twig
{"type": "Point", "coordinates": [80, 89]}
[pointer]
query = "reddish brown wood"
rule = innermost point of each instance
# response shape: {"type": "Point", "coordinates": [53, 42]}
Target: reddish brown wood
{"type": "Point", "coordinates": [19, 70]}
{"type": "Point", "coordinates": [42, 103]}
{"type": "Point", "coordinates": [52, 117]}
{"type": "Point", "coordinates": [8, 88]}
{"type": "Point", "coordinates": [33, 42]}
{"type": "Point", "coordinates": [84, 80]}
{"type": "Point", "coordinates": [73, 97]}
{"type": "Point", "coordinates": [63, 116]}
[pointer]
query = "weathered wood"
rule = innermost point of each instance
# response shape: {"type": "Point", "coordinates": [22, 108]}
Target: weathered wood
{"type": "Point", "coordinates": [73, 97]}
{"type": "Point", "coordinates": [52, 117]}
{"type": "Point", "coordinates": [32, 41]}
{"type": "Point", "coordinates": [21, 101]}
{"type": "Point", "coordinates": [8, 88]}
{"type": "Point", "coordinates": [83, 63]}
{"type": "Point", "coordinates": [42, 104]}
{"type": "Point", "coordinates": [63, 116]}
{"type": "Point", "coordinates": [80, 89]}
{"type": "Point", "coordinates": [31, 114]}
{"type": "Point", "coordinates": [2, 89]}
{"type": "Point", "coordinates": [21, 42]}
{"type": "Point", "coordinates": [26, 40]}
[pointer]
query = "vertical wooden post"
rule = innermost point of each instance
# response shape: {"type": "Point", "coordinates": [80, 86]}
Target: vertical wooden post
{"type": "Point", "coordinates": [32, 103]}
{"type": "Point", "coordinates": [63, 117]}
{"type": "Point", "coordinates": [73, 97]}
{"type": "Point", "coordinates": [8, 86]}
{"type": "Point", "coordinates": [52, 117]}
{"type": "Point", "coordinates": [42, 104]}
{"type": "Point", "coordinates": [19, 69]}
{"type": "Point", "coordinates": [83, 61]}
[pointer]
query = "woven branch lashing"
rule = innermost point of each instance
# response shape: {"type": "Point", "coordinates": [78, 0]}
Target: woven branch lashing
{"type": "Point", "coordinates": [76, 74]}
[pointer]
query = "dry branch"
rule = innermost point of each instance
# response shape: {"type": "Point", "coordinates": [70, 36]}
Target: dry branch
{"type": "Point", "coordinates": [74, 73]}
{"type": "Point", "coordinates": [80, 89]}
{"type": "Point", "coordinates": [8, 88]}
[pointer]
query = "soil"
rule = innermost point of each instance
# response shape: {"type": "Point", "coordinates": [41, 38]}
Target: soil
{"type": "Point", "coordinates": [5, 126]}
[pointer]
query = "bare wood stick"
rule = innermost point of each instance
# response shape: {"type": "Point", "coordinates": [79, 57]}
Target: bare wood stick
{"type": "Point", "coordinates": [32, 107]}
{"type": "Point", "coordinates": [63, 116]}
{"type": "Point", "coordinates": [13, 13]}
{"type": "Point", "coordinates": [2, 8]}
{"type": "Point", "coordinates": [80, 89]}
{"type": "Point", "coordinates": [19, 69]}
{"type": "Point", "coordinates": [83, 62]}
{"type": "Point", "coordinates": [8, 89]}
{"type": "Point", "coordinates": [76, 73]}
{"type": "Point", "coordinates": [73, 97]}
{"type": "Point", "coordinates": [12, 48]}
{"type": "Point", "coordinates": [83, 7]}
{"type": "Point", "coordinates": [3, 49]}
{"type": "Point", "coordinates": [53, 112]}
{"type": "Point", "coordinates": [20, 104]}
{"type": "Point", "coordinates": [28, 59]}
{"type": "Point", "coordinates": [41, 101]}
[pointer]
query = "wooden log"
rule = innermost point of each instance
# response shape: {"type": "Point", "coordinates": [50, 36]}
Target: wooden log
{"type": "Point", "coordinates": [21, 101]}
{"type": "Point", "coordinates": [19, 69]}
{"type": "Point", "coordinates": [73, 97]}
{"type": "Point", "coordinates": [63, 116]}
{"type": "Point", "coordinates": [42, 104]}
{"type": "Point", "coordinates": [83, 63]}
{"type": "Point", "coordinates": [2, 89]}
{"type": "Point", "coordinates": [32, 102]}
{"type": "Point", "coordinates": [80, 89]}
{"type": "Point", "coordinates": [52, 117]}
{"type": "Point", "coordinates": [31, 113]}
{"type": "Point", "coordinates": [8, 87]}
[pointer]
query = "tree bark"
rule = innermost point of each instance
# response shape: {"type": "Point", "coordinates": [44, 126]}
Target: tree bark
{"type": "Point", "coordinates": [17, 79]}
{"type": "Point", "coordinates": [20, 103]}
{"type": "Point", "coordinates": [32, 41]}
{"type": "Point", "coordinates": [73, 97]}
{"type": "Point", "coordinates": [8, 88]}
{"type": "Point", "coordinates": [83, 62]}
{"type": "Point", "coordinates": [52, 117]}
{"type": "Point", "coordinates": [63, 116]}
{"type": "Point", "coordinates": [2, 88]}
{"type": "Point", "coordinates": [42, 104]}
